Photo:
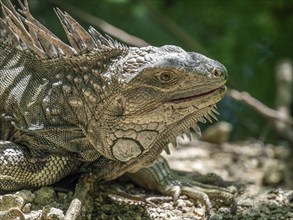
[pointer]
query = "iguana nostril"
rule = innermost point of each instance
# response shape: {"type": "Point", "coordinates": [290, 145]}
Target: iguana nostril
{"type": "Point", "coordinates": [216, 73]}
{"type": "Point", "coordinates": [219, 73]}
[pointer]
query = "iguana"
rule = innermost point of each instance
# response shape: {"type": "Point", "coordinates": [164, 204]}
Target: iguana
{"type": "Point", "coordinates": [98, 106]}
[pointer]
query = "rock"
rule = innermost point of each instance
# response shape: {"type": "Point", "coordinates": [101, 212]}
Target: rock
{"type": "Point", "coordinates": [216, 217]}
{"type": "Point", "coordinates": [218, 133]}
{"type": "Point", "coordinates": [274, 172]}
{"type": "Point", "coordinates": [27, 208]}
{"type": "Point", "coordinates": [11, 214]}
{"type": "Point", "coordinates": [51, 213]}
{"type": "Point", "coordinates": [16, 200]}
{"type": "Point", "coordinates": [255, 201]}
{"type": "Point", "coordinates": [44, 196]}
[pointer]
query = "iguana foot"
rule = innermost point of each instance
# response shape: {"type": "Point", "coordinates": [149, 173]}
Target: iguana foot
{"type": "Point", "coordinates": [161, 178]}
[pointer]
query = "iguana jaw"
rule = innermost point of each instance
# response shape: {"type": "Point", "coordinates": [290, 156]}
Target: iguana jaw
{"type": "Point", "coordinates": [201, 107]}
{"type": "Point", "coordinates": [188, 98]}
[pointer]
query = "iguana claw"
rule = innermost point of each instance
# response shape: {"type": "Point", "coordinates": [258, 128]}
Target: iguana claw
{"type": "Point", "coordinates": [161, 178]}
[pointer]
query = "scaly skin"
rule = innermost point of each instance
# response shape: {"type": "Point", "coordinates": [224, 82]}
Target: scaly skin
{"type": "Point", "coordinates": [97, 102]}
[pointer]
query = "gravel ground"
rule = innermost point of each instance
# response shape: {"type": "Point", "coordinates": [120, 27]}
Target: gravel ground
{"type": "Point", "coordinates": [262, 174]}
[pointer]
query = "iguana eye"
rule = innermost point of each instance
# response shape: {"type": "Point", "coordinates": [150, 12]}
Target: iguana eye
{"type": "Point", "coordinates": [166, 77]}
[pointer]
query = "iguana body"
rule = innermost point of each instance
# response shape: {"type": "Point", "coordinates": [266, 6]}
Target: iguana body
{"type": "Point", "coordinates": [96, 105]}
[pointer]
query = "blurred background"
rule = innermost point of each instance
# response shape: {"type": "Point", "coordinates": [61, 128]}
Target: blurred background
{"type": "Point", "coordinates": [251, 38]}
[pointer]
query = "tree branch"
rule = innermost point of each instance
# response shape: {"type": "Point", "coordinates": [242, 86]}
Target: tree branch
{"type": "Point", "coordinates": [81, 196]}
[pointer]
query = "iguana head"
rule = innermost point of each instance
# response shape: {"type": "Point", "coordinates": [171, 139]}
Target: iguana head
{"type": "Point", "coordinates": [164, 92]}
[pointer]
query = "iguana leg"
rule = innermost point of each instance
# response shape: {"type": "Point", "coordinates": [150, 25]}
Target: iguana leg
{"type": "Point", "coordinates": [160, 177]}
{"type": "Point", "coordinates": [20, 167]}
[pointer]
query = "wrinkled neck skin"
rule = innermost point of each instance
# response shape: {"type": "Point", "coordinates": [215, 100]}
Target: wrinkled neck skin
{"type": "Point", "coordinates": [135, 139]}
{"type": "Point", "coordinates": [133, 142]}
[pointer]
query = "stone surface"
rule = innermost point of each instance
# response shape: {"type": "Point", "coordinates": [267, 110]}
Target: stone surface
{"type": "Point", "coordinates": [244, 164]}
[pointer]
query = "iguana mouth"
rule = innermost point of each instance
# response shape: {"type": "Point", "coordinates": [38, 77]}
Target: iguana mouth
{"type": "Point", "coordinates": [189, 98]}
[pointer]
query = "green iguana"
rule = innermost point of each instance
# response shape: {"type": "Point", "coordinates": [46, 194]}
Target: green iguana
{"type": "Point", "coordinates": [97, 105]}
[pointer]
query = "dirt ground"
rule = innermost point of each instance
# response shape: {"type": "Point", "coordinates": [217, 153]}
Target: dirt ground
{"type": "Point", "coordinates": [262, 174]}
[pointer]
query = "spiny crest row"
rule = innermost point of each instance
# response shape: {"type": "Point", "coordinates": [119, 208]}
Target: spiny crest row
{"type": "Point", "coordinates": [28, 33]}
{"type": "Point", "coordinates": [207, 114]}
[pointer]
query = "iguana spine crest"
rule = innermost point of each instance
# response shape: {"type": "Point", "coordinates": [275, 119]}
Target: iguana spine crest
{"type": "Point", "coordinates": [30, 34]}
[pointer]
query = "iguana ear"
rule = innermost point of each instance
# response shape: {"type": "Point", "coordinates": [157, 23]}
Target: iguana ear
{"type": "Point", "coordinates": [32, 35]}
{"type": "Point", "coordinates": [118, 106]}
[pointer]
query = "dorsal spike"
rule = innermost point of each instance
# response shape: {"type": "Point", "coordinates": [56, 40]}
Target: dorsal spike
{"type": "Point", "coordinates": [69, 35]}
{"type": "Point", "coordinates": [10, 33]}
{"type": "Point", "coordinates": [99, 38]}
{"type": "Point", "coordinates": [26, 13]}
{"type": "Point", "coordinates": [37, 30]}
{"type": "Point", "coordinates": [13, 21]}
{"type": "Point", "coordinates": [110, 40]}
{"type": "Point", "coordinates": [96, 36]}
{"type": "Point", "coordinates": [82, 34]}
{"type": "Point", "coordinates": [82, 38]}
{"type": "Point", "coordinates": [27, 33]}
{"type": "Point", "coordinates": [42, 39]}
{"type": "Point", "coordinates": [51, 39]}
